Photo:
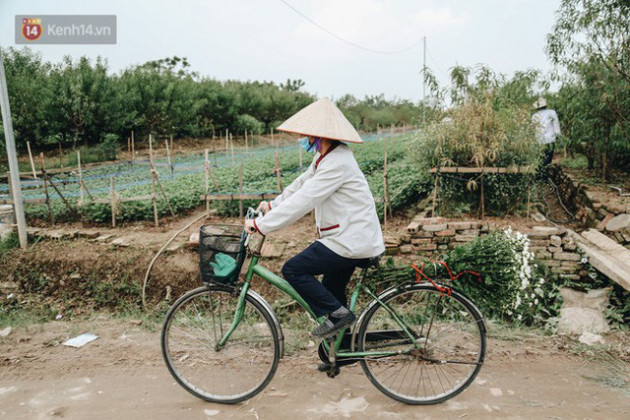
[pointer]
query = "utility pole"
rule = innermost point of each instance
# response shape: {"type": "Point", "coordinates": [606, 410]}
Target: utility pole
{"type": "Point", "coordinates": [424, 82]}
{"type": "Point", "coordinates": [14, 169]}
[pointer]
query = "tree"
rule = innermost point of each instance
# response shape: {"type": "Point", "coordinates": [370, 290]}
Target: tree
{"type": "Point", "coordinates": [590, 39]}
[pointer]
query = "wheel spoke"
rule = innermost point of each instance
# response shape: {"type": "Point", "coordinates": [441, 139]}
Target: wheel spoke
{"type": "Point", "coordinates": [236, 371]}
{"type": "Point", "coordinates": [443, 359]}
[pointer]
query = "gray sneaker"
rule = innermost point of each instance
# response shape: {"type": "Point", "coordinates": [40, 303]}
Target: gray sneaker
{"type": "Point", "coordinates": [332, 325]}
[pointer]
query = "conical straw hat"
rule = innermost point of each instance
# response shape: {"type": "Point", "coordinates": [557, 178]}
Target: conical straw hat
{"type": "Point", "coordinates": [321, 119]}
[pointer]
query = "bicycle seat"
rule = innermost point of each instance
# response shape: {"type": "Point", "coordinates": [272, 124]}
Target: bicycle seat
{"type": "Point", "coordinates": [370, 262]}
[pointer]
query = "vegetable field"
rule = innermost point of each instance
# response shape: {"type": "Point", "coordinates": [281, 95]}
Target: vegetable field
{"type": "Point", "coordinates": [187, 182]}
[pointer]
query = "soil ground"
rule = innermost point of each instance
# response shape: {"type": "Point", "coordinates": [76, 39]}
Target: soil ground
{"type": "Point", "coordinates": [122, 375]}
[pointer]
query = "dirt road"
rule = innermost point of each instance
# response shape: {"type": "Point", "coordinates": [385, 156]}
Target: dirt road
{"type": "Point", "coordinates": [121, 375]}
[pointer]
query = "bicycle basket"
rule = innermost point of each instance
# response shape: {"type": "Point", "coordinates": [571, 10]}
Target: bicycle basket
{"type": "Point", "coordinates": [221, 253]}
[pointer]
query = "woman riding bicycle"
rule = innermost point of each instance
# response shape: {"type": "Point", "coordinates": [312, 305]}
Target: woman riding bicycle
{"type": "Point", "coordinates": [345, 214]}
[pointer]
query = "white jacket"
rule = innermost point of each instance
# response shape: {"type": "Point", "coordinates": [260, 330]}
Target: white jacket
{"type": "Point", "coordinates": [547, 124]}
{"type": "Point", "coordinates": [345, 213]}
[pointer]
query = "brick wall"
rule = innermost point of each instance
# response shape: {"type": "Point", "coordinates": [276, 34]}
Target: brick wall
{"type": "Point", "coordinates": [429, 236]}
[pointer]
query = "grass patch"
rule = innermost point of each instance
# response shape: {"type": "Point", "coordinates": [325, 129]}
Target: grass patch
{"type": "Point", "coordinates": [577, 162]}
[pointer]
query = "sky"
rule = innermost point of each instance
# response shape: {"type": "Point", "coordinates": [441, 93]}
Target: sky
{"type": "Point", "coordinates": [267, 40]}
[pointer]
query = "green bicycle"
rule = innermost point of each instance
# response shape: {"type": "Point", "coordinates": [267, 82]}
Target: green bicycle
{"type": "Point", "coordinates": [222, 342]}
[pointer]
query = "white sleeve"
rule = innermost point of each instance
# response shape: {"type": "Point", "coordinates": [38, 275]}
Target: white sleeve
{"type": "Point", "coordinates": [292, 188]}
{"type": "Point", "coordinates": [314, 190]}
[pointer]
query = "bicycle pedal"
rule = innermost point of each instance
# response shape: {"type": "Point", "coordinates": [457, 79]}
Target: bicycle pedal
{"type": "Point", "coordinates": [333, 371]}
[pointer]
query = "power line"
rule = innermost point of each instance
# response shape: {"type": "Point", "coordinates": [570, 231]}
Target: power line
{"type": "Point", "coordinates": [437, 64]}
{"type": "Point", "coordinates": [354, 44]}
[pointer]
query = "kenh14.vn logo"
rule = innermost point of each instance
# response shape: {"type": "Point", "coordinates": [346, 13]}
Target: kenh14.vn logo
{"type": "Point", "coordinates": [31, 28]}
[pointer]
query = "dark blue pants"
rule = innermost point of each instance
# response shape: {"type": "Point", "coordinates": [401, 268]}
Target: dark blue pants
{"type": "Point", "coordinates": [330, 294]}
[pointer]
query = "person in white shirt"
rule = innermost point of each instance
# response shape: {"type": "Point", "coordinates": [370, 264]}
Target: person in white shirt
{"type": "Point", "coordinates": [547, 131]}
{"type": "Point", "coordinates": [345, 214]}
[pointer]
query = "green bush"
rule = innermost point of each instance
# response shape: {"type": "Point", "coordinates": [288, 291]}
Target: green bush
{"type": "Point", "coordinates": [480, 134]}
{"type": "Point", "coordinates": [248, 123]}
{"type": "Point", "coordinates": [109, 146]}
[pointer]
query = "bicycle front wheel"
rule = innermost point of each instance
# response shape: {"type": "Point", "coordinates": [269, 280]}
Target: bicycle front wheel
{"type": "Point", "coordinates": [229, 374]}
{"type": "Point", "coordinates": [441, 352]}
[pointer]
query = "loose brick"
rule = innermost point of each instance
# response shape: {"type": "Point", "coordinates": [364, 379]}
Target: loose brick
{"type": "Point", "coordinates": [427, 247]}
{"type": "Point", "coordinates": [567, 256]}
{"type": "Point", "coordinates": [571, 264]}
{"type": "Point", "coordinates": [555, 240]}
{"type": "Point", "coordinates": [570, 246]}
{"type": "Point", "coordinates": [470, 232]}
{"type": "Point", "coordinates": [429, 220]}
{"type": "Point", "coordinates": [392, 251]}
{"type": "Point", "coordinates": [422, 234]}
{"type": "Point", "coordinates": [554, 249]}
{"type": "Point", "coordinates": [419, 241]}
{"type": "Point", "coordinates": [459, 225]}
{"type": "Point", "coordinates": [464, 238]}
{"type": "Point", "coordinates": [405, 238]}
{"type": "Point", "coordinates": [552, 263]}
{"type": "Point", "coordinates": [442, 240]}
{"type": "Point", "coordinates": [543, 255]}
{"type": "Point", "coordinates": [448, 232]}
{"type": "Point", "coordinates": [406, 249]}
{"type": "Point", "coordinates": [601, 225]}
{"type": "Point", "coordinates": [547, 230]}
{"type": "Point", "coordinates": [413, 227]}
{"type": "Point", "coordinates": [434, 228]}
{"type": "Point", "coordinates": [538, 248]}
{"type": "Point", "coordinates": [539, 242]}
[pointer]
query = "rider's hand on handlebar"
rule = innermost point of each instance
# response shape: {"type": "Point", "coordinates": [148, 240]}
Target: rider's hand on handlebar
{"type": "Point", "coordinates": [249, 226]}
{"type": "Point", "coordinates": [264, 207]}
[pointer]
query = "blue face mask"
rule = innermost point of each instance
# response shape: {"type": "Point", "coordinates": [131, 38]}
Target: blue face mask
{"type": "Point", "coordinates": [306, 145]}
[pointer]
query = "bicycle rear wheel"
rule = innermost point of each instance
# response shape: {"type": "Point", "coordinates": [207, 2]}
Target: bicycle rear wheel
{"type": "Point", "coordinates": [230, 374]}
{"type": "Point", "coordinates": [442, 359]}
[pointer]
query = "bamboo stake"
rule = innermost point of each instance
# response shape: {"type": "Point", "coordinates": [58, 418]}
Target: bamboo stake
{"type": "Point", "coordinates": [153, 190]}
{"type": "Point", "coordinates": [80, 176]}
{"type": "Point", "coordinates": [385, 184]}
{"type": "Point", "coordinates": [172, 144]}
{"type": "Point", "coordinates": [227, 143]}
{"type": "Point", "coordinates": [529, 198]}
{"type": "Point", "coordinates": [60, 156]}
{"type": "Point", "coordinates": [232, 148]}
{"type": "Point", "coordinates": [87, 191]}
{"type": "Point", "coordinates": [155, 212]}
{"type": "Point", "coordinates": [133, 146]}
{"type": "Point", "coordinates": [168, 203]}
{"type": "Point", "coordinates": [389, 200]}
{"type": "Point", "coordinates": [435, 191]}
{"type": "Point", "coordinates": [112, 196]}
{"type": "Point", "coordinates": [240, 190]}
{"type": "Point", "coordinates": [151, 150]}
{"type": "Point", "coordinates": [128, 145]}
{"type": "Point", "coordinates": [277, 170]}
{"type": "Point", "coordinates": [41, 160]}
{"type": "Point", "coordinates": [168, 154]}
{"type": "Point", "coordinates": [207, 180]}
{"type": "Point", "coordinates": [482, 206]}
{"type": "Point", "coordinates": [30, 157]}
